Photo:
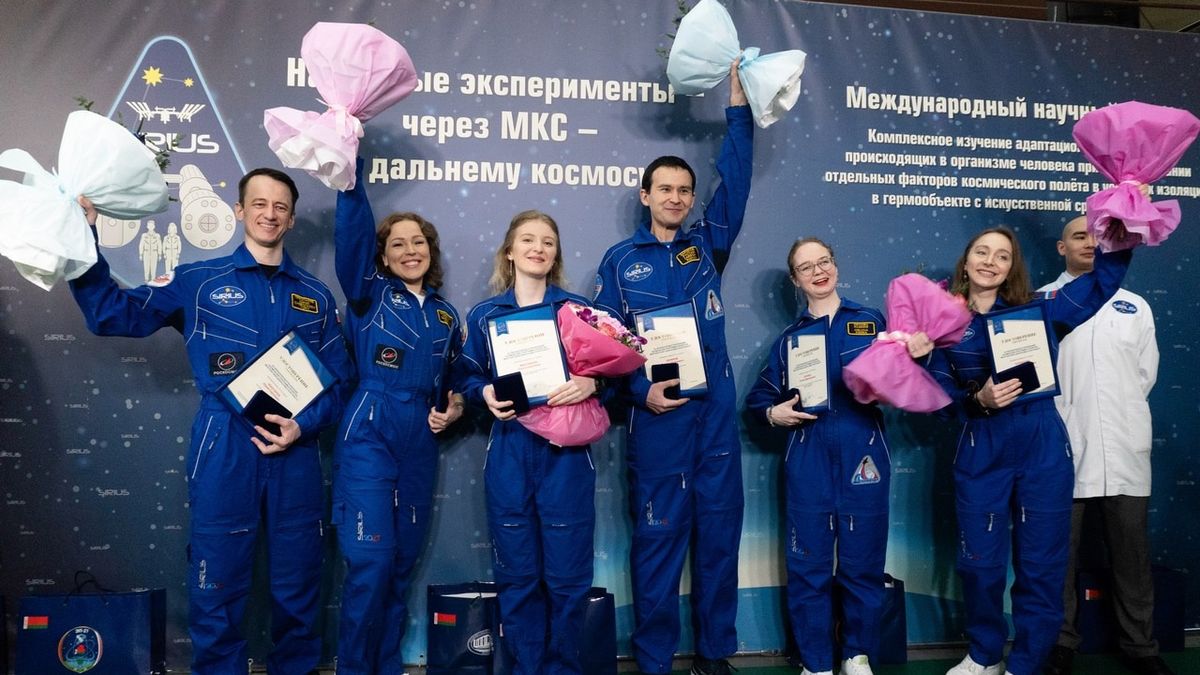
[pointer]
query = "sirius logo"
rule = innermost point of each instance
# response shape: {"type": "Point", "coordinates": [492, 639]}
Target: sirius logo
{"type": "Point", "coordinates": [969, 333]}
{"type": "Point", "coordinates": [112, 492]}
{"type": "Point", "coordinates": [228, 296]}
{"type": "Point", "coordinates": [39, 582]}
{"type": "Point", "coordinates": [638, 271]}
{"type": "Point", "coordinates": [1124, 307]}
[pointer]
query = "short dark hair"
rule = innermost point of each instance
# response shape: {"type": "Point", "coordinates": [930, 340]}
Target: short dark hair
{"type": "Point", "coordinates": [671, 162]}
{"type": "Point", "coordinates": [269, 173]}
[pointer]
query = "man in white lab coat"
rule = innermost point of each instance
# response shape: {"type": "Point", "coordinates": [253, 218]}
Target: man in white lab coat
{"type": "Point", "coordinates": [1106, 368]}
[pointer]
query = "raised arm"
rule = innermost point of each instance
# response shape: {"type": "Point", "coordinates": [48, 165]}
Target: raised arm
{"type": "Point", "coordinates": [136, 312]}
{"type": "Point", "coordinates": [1079, 300]}
{"type": "Point", "coordinates": [725, 211]}
{"type": "Point", "coordinates": [354, 243]}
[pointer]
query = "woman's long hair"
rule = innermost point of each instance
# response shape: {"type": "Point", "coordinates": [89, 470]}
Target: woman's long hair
{"type": "Point", "coordinates": [503, 269]}
{"type": "Point", "coordinates": [1016, 289]}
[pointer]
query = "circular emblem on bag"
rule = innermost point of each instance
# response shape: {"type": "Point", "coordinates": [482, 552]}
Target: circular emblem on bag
{"type": "Point", "coordinates": [481, 643]}
{"type": "Point", "coordinates": [80, 649]}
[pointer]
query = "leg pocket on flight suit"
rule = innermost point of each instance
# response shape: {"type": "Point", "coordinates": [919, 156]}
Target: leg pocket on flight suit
{"type": "Point", "coordinates": [982, 538]}
{"type": "Point", "coordinates": [661, 504]}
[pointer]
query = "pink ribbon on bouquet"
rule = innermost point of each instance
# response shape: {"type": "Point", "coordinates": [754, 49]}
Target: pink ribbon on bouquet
{"type": "Point", "coordinates": [359, 72]}
{"type": "Point", "coordinates": [1133, 144]}
{"type": "Point", "coordinates": [885, 372]}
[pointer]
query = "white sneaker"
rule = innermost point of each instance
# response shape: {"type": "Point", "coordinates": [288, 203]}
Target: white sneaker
{"type": "Point", "coordinates": [856, 666]}
{"type": "Point", "coordinates": [969, 667]}
{"type": "Point", "coordinates": [806, 671]}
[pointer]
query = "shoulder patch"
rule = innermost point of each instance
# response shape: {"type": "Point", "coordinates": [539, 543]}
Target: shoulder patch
{"type": "Point", "coordinates": [599, 285]}
{"type": "Point", "coordinates": [860, 328]}
{"type": "Point", "coordinates": [688, 255]}
{"type": "Point", "coordinates": [304, 303]}
{"type": "Point", "coordinates": [444, 317]}
{"type": "Point", "coordinates": [638, 271]}
{"type": "Point", "coordinates": [1124, 307]}
{"type": "Point", "coordinates": [712, 306]}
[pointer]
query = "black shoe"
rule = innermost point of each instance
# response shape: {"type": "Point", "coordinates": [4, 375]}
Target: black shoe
{"type": "Point", "coordinates": [1059, 661]}
{"type": "Point", "coordinates": [703, 666]}
{"type": "Point", "coordinates": [1147, 665]}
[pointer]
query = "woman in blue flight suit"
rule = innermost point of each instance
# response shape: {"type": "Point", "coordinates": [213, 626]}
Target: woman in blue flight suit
{"type": "Point", "coordinates": [838, 471]}
{"type": "Point", "coordinates": [1013, 459]}
{"type": "Point", "coordinates": [404, 336]}
{"type": "Point", "coordinates": [540, 503]}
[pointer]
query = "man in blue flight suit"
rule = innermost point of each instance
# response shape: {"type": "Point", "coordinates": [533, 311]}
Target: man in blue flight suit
{"type": "Point", "coordinates": [229, 310]}
{"type": "Point", "coordinates": [684, 455]}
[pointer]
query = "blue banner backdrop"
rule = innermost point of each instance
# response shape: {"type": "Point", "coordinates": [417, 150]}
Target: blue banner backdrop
{"type": "Point", "coordinates": [914, 130]}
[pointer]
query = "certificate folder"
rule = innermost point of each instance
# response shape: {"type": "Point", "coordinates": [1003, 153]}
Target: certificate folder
{"type": "Point", "coordinates": [282, 380]}
{"type": "Point", "coordinates": [1019, 342]}
{"type": "Point", "coordinates": [673, 337]}
{"type": "Point", "coordinates": [525, 341]}
{"type": "Point", "coordinates": [807, 371]}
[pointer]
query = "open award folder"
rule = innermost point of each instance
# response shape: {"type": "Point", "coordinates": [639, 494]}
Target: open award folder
{"type": "Point", "coordinates": [283, 380]}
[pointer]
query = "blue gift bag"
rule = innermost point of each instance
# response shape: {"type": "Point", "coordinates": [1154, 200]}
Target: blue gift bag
{"type": "Point", "coordinates": [96, 633]}
{"type": "Point", "coordinates": [460, 636]}
{"type": "Point", "coordinates": [597, 645]}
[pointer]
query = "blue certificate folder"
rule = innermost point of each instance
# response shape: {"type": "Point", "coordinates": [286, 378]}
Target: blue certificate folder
{"type": "Point", "coordinates": [259, 404]}
{"type": "Point", "coordinates": [815, 395]}
{"type": "Point", "coordinates": [693, 373]}
{"type": "Point", "coordinates": [1019, 348]}
{"type": "Point", "coordinates": [536, 383]}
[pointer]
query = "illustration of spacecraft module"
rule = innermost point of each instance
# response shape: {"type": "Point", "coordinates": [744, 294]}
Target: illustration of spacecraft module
{"type": "Point", "coordinates": [205, 221]}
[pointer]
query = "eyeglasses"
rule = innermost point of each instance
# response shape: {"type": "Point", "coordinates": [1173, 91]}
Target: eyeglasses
{"type": "Point", "coordinates": [807, 269]}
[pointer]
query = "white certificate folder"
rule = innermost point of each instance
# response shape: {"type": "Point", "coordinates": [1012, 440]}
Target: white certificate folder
{"type": "Point", "coordinates": [673, 336]}
{"type": "Point", "coordinates": [284, 379]}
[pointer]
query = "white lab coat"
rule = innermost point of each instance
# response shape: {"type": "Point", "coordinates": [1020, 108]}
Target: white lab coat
{"type": "Point", "coordinates": [1106, 369]}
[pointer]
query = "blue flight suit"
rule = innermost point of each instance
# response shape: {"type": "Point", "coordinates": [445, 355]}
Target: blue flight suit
{"type": "Point", "coordinates": [685, 466]}
{"type": "Point", "coordinates": [385, 459]}
{"type": "Point", "coordinates": [838, 470]}
{"type": "Point", "coordinates": [542, 516]}
{"type": "Point", "coordinates": [228, 311]}
{"type": "Point", "coordinates": [1015, 462]}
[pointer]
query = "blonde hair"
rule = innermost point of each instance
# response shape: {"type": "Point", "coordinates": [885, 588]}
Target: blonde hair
{"type": "Point", "coordinates": [503, 268]}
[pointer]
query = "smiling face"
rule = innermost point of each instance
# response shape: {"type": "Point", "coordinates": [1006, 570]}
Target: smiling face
{"type": "Point", "coordinates": [534, 249]}
{"type": "Point", "coordinates": [266, 212]}
{"type": "Point", "coordinates": [669, 198]}
{"type": "Point", "coordinates": [988, 262]}
{"type": "Point", "coordinates": [814, 271]}
{"type": "Point", "coordinates": [1077, 247]}
{"type": "Point", "coordinates": [406, 253]}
